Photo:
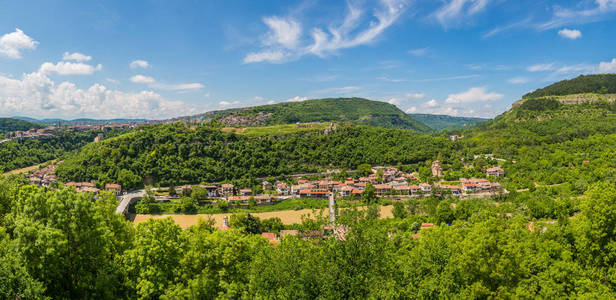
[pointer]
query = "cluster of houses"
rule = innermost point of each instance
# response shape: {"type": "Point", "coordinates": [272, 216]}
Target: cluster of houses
{"type": "Point", "coordinates": [385, 180]}
{"type": "Point", "coordinates": [83, 187]}
{"type": "Point", "coordinates": [43, 133]}
{"type": "Point", "coordinates": [44, 177]}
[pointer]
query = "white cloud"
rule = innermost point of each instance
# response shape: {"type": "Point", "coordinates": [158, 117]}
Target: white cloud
{"type": "Point", "coordinates": [415, 96]}
{"type": "Point", "coordinates": [271, 102]}
{"type": "Point", "coordinates": [37, 95]}
{"type": "Point", "coordinates": [111, 80]}
{"type": "Point", "coordinates": [419, 51]}
{"type": "Point", "coordinates": [11, 44]}
{"type": "Point", "coordinates": [229, 104]}
{"type": "Point", "coordinates": [571, 34]}
{"type": "Point", "coordinates": [453, 12]}
{"type": "Point", "coordinates": [69, 68]}
{"type": "Point", "coordinates": [152, 83]}
{"type": "Point", "coordinates": [296, 99]}
{"type": "Point", "coordinates": [76, 56]}
{"type": "Point", "coordinates": [139, 64]}
{"type": "Point", "coordinates": [142, 79]}
{"type": "Point", "coordinates": [338, 91]}
{"type": "Point", "coordinates": [285, 32]}
{"type": "Point", "coordinates": [385, 78]}
{"type": "Point", "coordinates": [475, 94]}
{"type": "Point", "coordinates": [431, 103]}
{"type": "Point", "coordinates": [283, 40]}
{"type": "Point", "coordinates": [540, 67]}
{"type": "Point", "coordinates": [608, 67]}
{"type": "Point", "coordinates": [177, 87]}
{"type": "Point", "coordinates": [518, 80]}
{"type": "Point", "coordinates": [274, 56]}
{"type": "Point", "coordinates": [411, 110]}
{"type": "Point", "coordinates": [577, 69]}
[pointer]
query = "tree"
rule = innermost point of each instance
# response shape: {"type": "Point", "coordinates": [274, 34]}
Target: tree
{"type": "Point", "coordinates": [364, 169]}
{"type": "Point", "coordinates": [444, 213]}
{"type": "Point", "coordinates": [151, 264]}
{"type": "Point", "coordinates": [368, 196]}
{"type": "Point", "coordinates": [128, 180]}
{"type": "Point", "coordinates": [399, 210]}
{"type": "Point", "coordinates": [188, 205]}
{"type": "Point", "coordinates": [246, 222]}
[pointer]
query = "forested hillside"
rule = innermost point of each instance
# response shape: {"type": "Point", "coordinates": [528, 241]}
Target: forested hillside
{"type": "Point", "coordinates": [600, 84]}
{"type": "Point", "coordinates": [9, 125]}
{"type": "Point", "coordinates": [20, 154]}
{"type": "Point", "coordinates": [439, 122]}
{"type": "Point", "coordinates": [174, 153]}
{"type": "Point", "coordinates": [355, 110]}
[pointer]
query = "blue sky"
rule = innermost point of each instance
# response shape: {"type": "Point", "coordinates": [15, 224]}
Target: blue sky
{"type": "Point", "coordinates": [159, 59]}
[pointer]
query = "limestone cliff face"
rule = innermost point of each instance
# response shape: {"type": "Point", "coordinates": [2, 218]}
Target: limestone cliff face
{"type": "Point", "coordinates": [576, 99]}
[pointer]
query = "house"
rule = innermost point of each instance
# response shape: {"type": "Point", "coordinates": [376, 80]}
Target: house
{"type": "Point", "coordinates": [225, 224]}
{"type": "Point", "coordinates": [454, 189]}
{"type": "Point", "coordinates": [226, 189]}
{"type": "Point", "coordinates": [315, 193]}
{"type": "Point", "coordinates": [470, 187]}
{"type": "Point", "coordinates": [264, 198]}
{"type": "Point", "coordinates": [245, 192]}
{"type": "Point", "coordinates": [403, 189]}
{"type": "Point", "coordinates": [495, 172]}
{"type": "Point", "coordinates": [267, 186]}
{"type": "Point", "coordinates": [426, 188]}
{"type": "Point", "coordinates": [414, 189]}
{"type": "Point", "coordinates": [282, 189]}
{"type": "Point", "coordinates": [356, 193]}
{"type": "Point", "coordinates": [270, 236]}
{"type": "Point", "coordinates": [238, 199]}
{"type": "Point", "coordinates": [284, 233]}
{"type": "Point", "coordinates": [426, 225]}
{"type": "Point", "coordinates": [382, 189]}
{"type": "Point", "coordinates": [115, 188]}
{"type": "Point", "coordinates": [212, 191]}
{"type": "Point", "coordinates": [346, 190]}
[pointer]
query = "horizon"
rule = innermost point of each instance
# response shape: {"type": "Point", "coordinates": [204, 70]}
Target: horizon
{"type": "Point", "coordinates": [148, 60]}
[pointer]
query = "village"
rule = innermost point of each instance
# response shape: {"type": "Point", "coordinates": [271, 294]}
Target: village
{"type": "Point", "coordinates": [387, 182]}
{"type": "Point", "coordinates": [50, 131]}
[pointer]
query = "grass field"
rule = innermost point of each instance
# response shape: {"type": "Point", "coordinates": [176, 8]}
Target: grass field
{"type": "Point", "coordinates": [287, 216]}
{"type": "Point", "coordinates": [28, 169]}
{"type": "Point", "coordinates": [277, 130]}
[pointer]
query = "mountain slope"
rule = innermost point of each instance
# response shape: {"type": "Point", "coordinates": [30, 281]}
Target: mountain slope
{"type": "Point", "coordinates": [438, 122]}
{"type": "Point", "coordinates": [600, 84]}
{"type": "Point", "coordinates": [9, 124]}
{"type": "Point", "coordinates": [355, 110]}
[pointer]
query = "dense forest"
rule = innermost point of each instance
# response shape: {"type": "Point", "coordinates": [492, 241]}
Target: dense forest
{"type": "Point", "coordinates": [439, 122]}
{"type": "Point", "coordinates": [600, 84]}
{"type": "Point", "coordinates": [177, 154]}
{"type": "Point", "coordinates": [355, 110]}
{"type": "Point", "coordinates": [58, 244]}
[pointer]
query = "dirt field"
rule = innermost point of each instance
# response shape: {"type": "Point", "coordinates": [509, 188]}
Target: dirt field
{"type": "Point", "coordinates": [287, 216]}
{"type": "Point", "coordinates": [27, 169]}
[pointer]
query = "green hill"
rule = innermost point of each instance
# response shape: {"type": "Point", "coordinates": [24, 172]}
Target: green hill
{"type": "Point", "coordinates": [8, 125]}
{"type": "Point", "coordinates": [355, 110]}
{"type": "Point", "coordinates": [600, 84]}
{"type": "Point", "coordinates": [438, 122]}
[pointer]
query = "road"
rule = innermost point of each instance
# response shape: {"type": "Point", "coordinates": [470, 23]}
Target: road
{"type": "Point", "coordinates": [126, 199]}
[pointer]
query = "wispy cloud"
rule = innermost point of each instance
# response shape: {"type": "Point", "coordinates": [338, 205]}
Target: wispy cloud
{"type": "Point", "coordinates": [152, 83]}
{"type": "Point", "coordinates": [283, 41]}
{"type": "Point", "coordinates": [419, 51]}
{"type": "Point", "coordinates": [455, 12]}
{"type": "Point", "coordinates": [446, 78]}
{"type": "Point", "coordinates": [475, 94]}
{"type": "Point", "coordinates": [518, 80]}
{"type": "Point", "coordinates": [597, 11]}
{"type": "Point", "coordinates": [540, 67]}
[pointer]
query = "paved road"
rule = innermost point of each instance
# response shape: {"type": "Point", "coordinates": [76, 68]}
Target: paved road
{"type": "Point", "coordinates": [126, 199]}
